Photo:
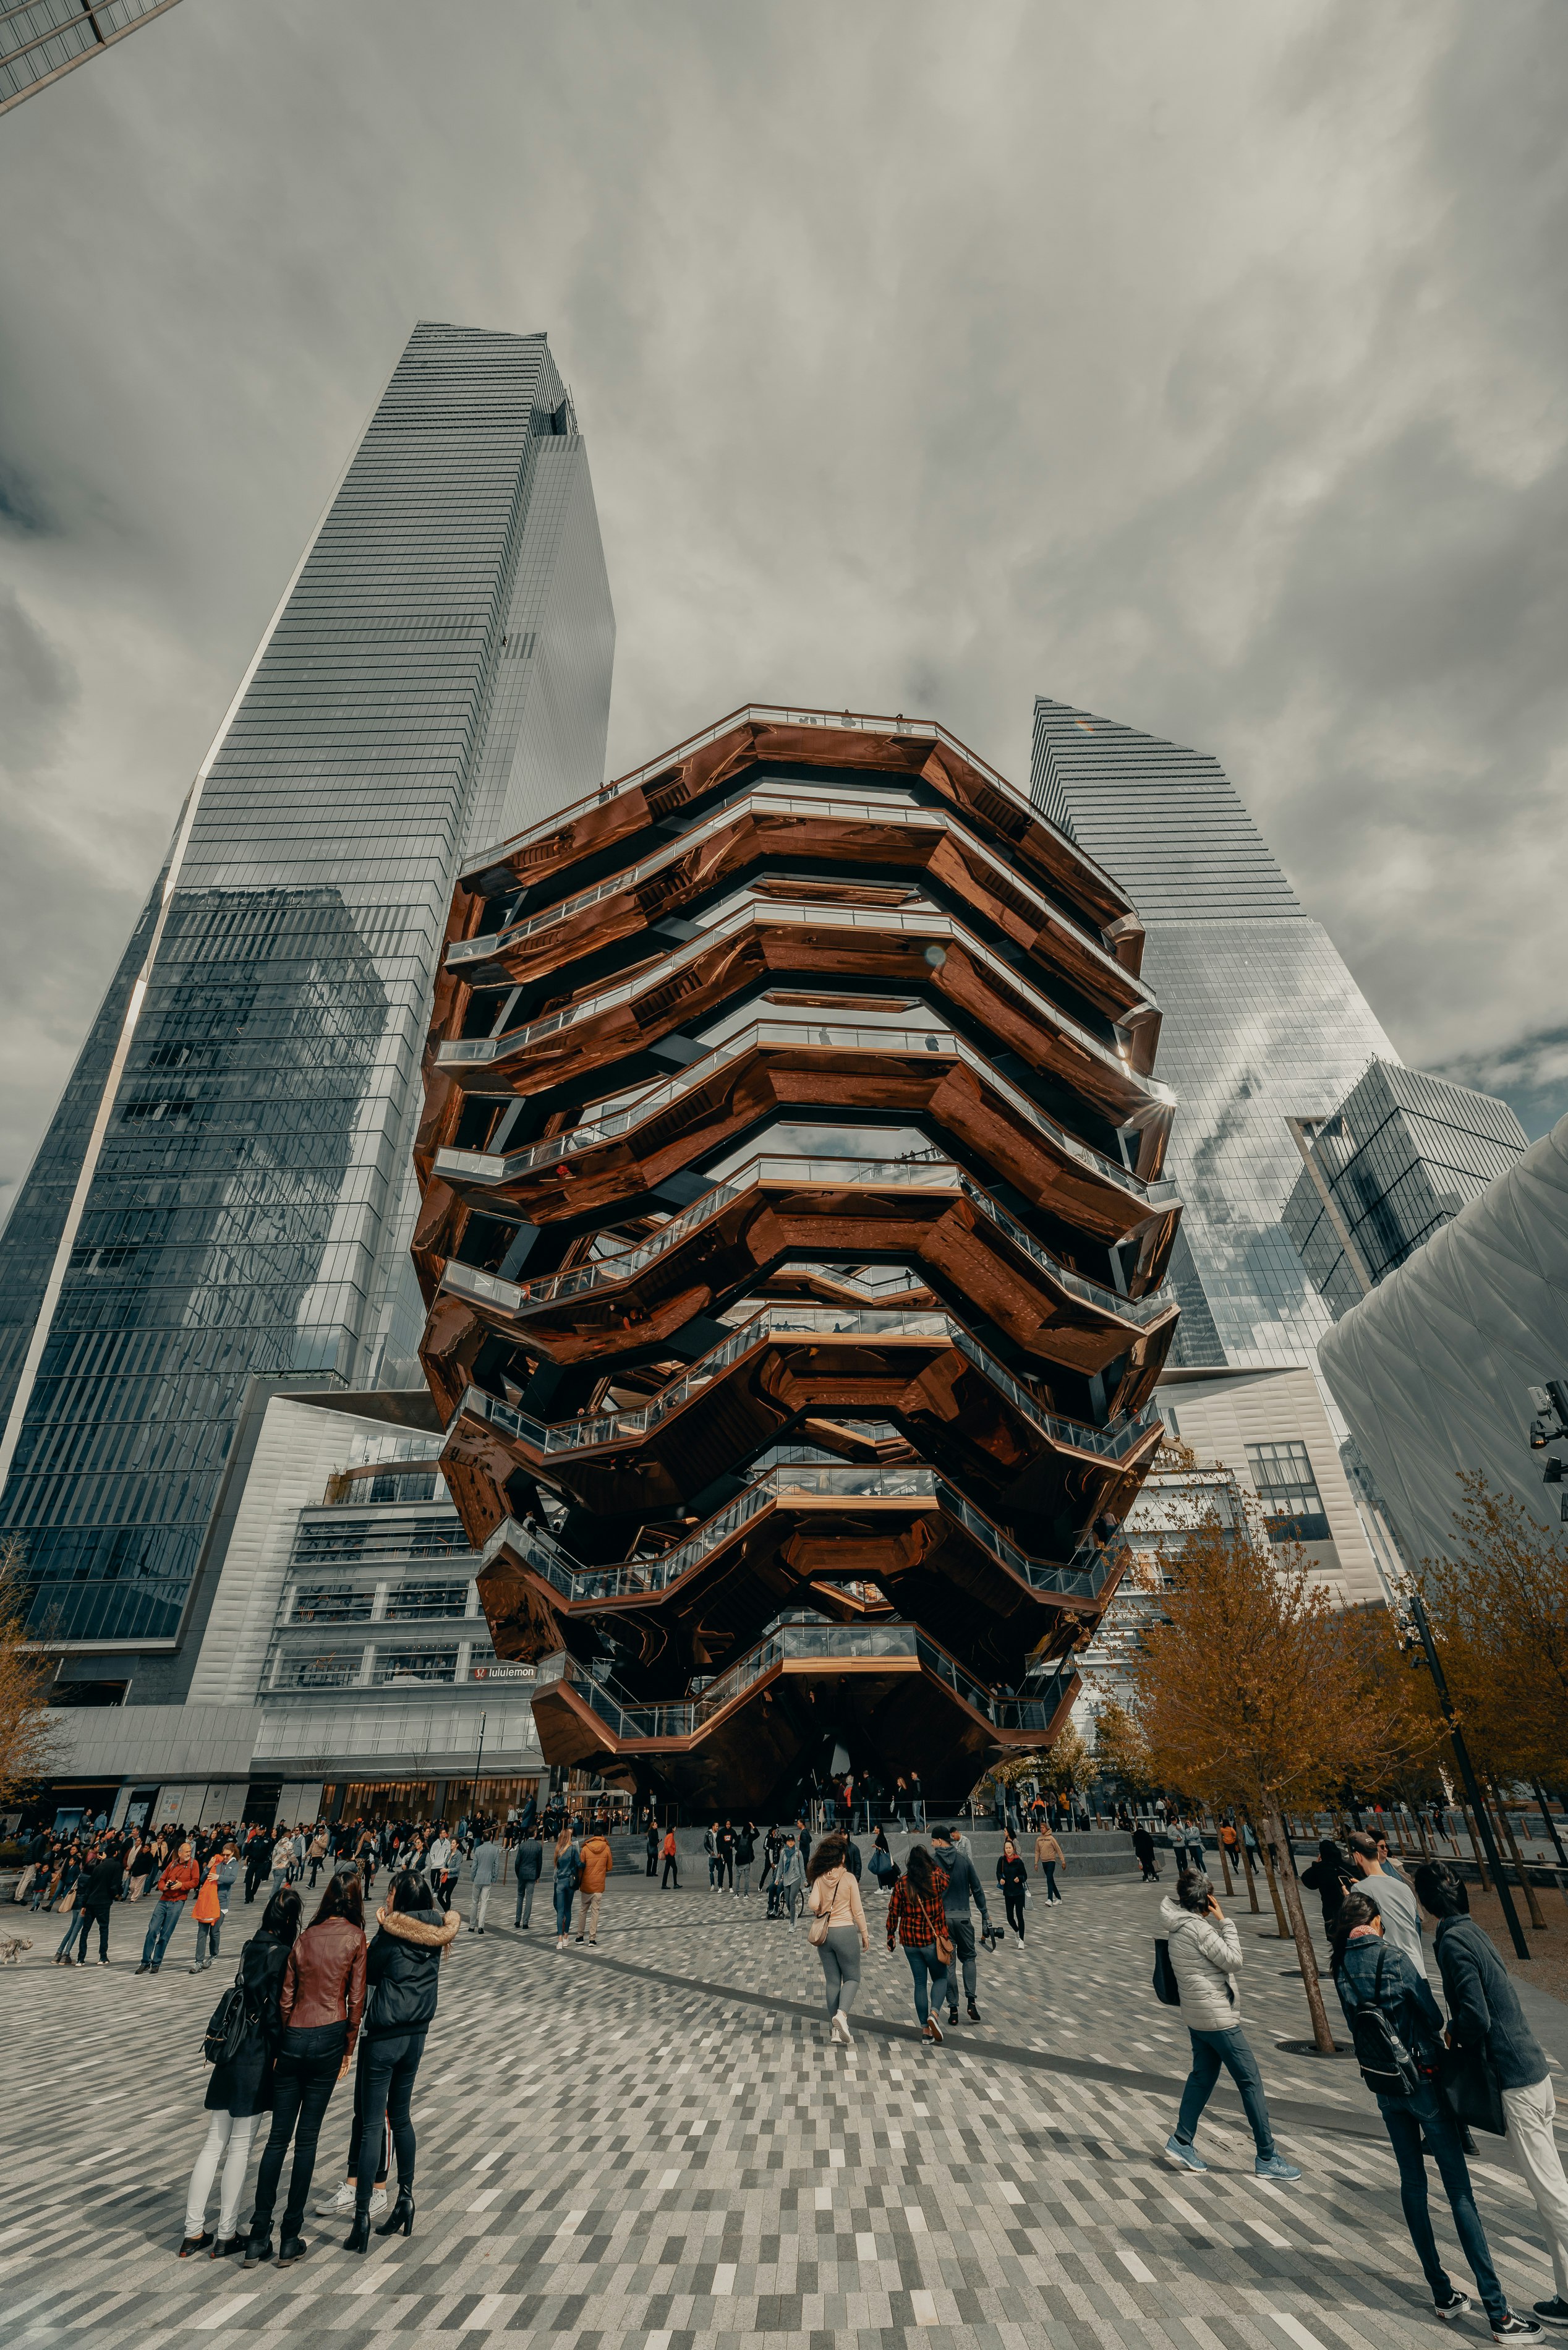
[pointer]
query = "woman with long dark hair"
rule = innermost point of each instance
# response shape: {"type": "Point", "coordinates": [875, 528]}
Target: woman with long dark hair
{"type": "Point", "coordinates": [915, 1913]}
{"type": "Point", "coordinates": [239, 2090]}
{"type": "Point", "coordinates": [319, 2006]}
{"type": "Point", "coordinates": [404, 1975]}
{"type": "Point", "coordinates": [834, 1897]}
{"type": "Point", "coordinates": [568, 1868]}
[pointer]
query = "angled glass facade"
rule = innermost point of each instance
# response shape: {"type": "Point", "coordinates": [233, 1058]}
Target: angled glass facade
{"type": "Point", "coordinates": [42, 39]}
{"type": "Point", "coordinates": [1399, 1158]}
{"type": "Point", "coordinates": [249, 1209]}
{"type": "Point", "coordinates": [1264, 1023]}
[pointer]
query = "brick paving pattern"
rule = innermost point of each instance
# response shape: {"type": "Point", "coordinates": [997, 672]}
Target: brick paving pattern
{"type": "Point", "coordinates": [606, 2159]}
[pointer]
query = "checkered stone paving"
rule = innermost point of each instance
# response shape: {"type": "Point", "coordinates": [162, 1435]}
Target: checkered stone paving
{"type": "Point", "coordinates": [653, 2145]}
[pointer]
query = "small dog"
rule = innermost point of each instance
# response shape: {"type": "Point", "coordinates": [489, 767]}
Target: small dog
{"type": "Point", "coordinates": [12, 1946]}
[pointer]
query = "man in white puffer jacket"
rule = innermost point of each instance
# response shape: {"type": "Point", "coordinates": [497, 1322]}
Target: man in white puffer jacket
{"type": "Point", "coordinates": [1205, 1957]}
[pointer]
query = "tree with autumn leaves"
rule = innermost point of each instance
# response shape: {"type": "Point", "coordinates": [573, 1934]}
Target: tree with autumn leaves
{"type": "Point", "coordinates": [26, 1733]}
{"type": "Point", "coordinates": [1255, 1693]}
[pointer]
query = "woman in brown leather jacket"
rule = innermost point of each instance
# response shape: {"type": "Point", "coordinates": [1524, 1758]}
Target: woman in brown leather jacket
{"type": "Point", "coordinates": [319, 2008]}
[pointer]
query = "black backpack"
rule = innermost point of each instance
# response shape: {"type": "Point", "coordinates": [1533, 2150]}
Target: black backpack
{"type": "Point", "coordinates": [227, 2025]}
{"type": "Point", "coordinates": [1387, 2067]}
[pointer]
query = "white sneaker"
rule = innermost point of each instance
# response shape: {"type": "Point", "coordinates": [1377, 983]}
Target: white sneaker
{"type": "Point", "coordinates": [378, 2201]}
{"type": "Point", "coordinates": [327, 2207]}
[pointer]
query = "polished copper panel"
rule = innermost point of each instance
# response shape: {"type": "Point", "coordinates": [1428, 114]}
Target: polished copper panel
{"type": "Point", "coordinates": [766, 1449]}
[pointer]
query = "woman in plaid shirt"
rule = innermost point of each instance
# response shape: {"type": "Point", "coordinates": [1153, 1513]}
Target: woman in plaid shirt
{"type": "Point", "coordinates": [915, 1911]}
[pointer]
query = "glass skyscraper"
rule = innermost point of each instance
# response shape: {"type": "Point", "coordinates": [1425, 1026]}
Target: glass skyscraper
{"type": "Point", "coordinates": [226, 1188]}
{"type": "Point", "coordinates": [1395, 1161]}
{"type": "Point", "coordinates": [42, 39]}
{"type": "Point", "coordinates": [1262, 1021]}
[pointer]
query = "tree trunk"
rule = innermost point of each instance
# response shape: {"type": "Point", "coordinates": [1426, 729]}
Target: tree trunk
{"type": "Point", "coordinates": [1308, 1957]}
{"type": "Point", "coordinates": [1536, 1920]}
{"type": "Point", "coordinates": [1273, 1887]}
{"type": "Point", "coordinates": [1477, 1847]}
{"type": "Point", "coordinates": [1252, 1882]}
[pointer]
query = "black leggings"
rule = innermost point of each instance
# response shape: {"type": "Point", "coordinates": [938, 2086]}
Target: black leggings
{"type": "Point", "coordinates": [391, 2061]}
{"type": "Point", "coordinates": [1013, 1897]}
{"type": "Point", "coordinates": [302, 2090]}
{"type": "Point", "coordinates": [356, 2130]}
{"type": "Point", "coordinates": [669, 1871]}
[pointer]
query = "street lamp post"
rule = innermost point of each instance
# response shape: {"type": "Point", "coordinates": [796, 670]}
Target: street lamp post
{"type": "Point", "coordinates": [1461, 1756]}
{"type": "Point", "coordinates": [479, 1765]}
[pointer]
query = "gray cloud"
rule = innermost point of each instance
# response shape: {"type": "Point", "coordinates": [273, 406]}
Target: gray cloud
{"type": "Point", "coordinates": [1201, 364]}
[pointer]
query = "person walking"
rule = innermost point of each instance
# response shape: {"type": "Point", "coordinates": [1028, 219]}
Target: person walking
{"type": "Point", "coordinates": [98, 1890]}
{"type": "Point", "coordinates": [239, 2090]}
{"type": "Point", "coordinates": [1144, 1854]}
{"type": "Point", "coordinates": [568, 1868]}
{"type": "Point", "coordinates": [436, 1860]}
{"type": "Point", "coordinates": [1206, 1955]}
{"type": "Point", "coordinates": [175, 1887]}
{"type": "Point", "coordinates": [527, 1860]}
{"type": "Point", "coordinates": [745, 1854]}
{"type": "Point", "coordinates": [671, 1863]}
{"type": "Point", "coordinates": [1371, 1970]}
{"type": "Point", "coordinates": [834, 1901]}
{"type": "Point", "coordinates": [208, 1911]}
{"type": "Point", "coordinates": [1049, 1857]}
{"type": "Point", "coordinates": [916, 1915]}
{"type": "Point", "coordinates": [1391, 1895]}
{"type": "Point", "coordinates": [319, 2006]}
{"type": "Point", "coordinates": [597, 1860]}
{"type": "Point", "coordinates": [402, 1973]}
{"type": "Point", "coordinates": [1486, 2015]}
{"type": "Point", "coordinates": [281, 1865]}
{"type": "Point", "coordinates": [1329, 1877]}
{"type": "Point", "coordinates": [1013, 1877]}
{"type": "Point", "coordinates": [652, 1842]}
{"type": "Point", "coordinates": [485, 1875]}
{"type": "Point", "coordinates": [963, 1887]}
{"type": "Point", "coordinates": [725, 1852]}
{"type": "Point", "coordinates": [790, 1878]}
{"type": "Point", "coordinates": [317, 1852]}
{"type": "Point", "coordinates": [256, 1863]}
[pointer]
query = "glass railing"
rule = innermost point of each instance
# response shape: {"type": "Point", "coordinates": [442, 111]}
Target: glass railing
{"type": "Point", "coordinates": [932, 1174]}
{"type": "Point", "coordinates": [1084, 1576]}
{"type": "Point", "coordinates": [869, 806]}
{"type": "Point", "coordinates": [826, 1644]}
{"type": "Point", "coordinates": [619, 1114]}
{"type": "Point", "coordinates": [750, 909]}
{"type": "Point", "coordinates": [628, 1422]}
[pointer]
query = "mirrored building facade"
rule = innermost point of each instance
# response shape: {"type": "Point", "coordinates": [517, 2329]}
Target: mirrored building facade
{"type": "Point", "coordinates": [224, 1192]}
{"type": "Point", "coordinates": [1394, 1163]}
{"type": "Point", "coordinates": [1264, 1022]}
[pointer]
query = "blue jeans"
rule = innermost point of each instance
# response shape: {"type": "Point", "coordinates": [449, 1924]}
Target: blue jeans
{"type": "Point", "coordinates": [1405, 2119]}
{"type": "Point", "coordinates": [927, 1969]}
{"type": "Point", "coordinates": [524, 1899]}
{"type": "Point", "coordinates": [1210, 2051]}
{"type": "Point", "coordinates": [166, 1916]}
{"type": "Point", "coordinates": [207, 1940]}
{"type": "Point", "coordinates": [565, 1896]}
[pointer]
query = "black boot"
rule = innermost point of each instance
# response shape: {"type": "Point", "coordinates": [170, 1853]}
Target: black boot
{"type": "Point", "coordinates": [358, 2240]}
{"type": "Point", "coordinates": [258, 2248]}
{"type": "Point", "coordinates": [401, 2215]}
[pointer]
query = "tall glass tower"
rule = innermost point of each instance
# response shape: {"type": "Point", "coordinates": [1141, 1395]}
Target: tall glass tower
{"type": "Point", "coordinates": [1264, 1023]}
{"type": "Point", "coordinates": [225, 1188]}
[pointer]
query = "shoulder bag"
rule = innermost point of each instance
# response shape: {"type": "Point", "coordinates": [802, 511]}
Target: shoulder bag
{"type": "Point", "coordinates": [1471, 2088]}
{"type": "Point", "coordinates": [817, 1932]}
{"type": "Point", "coordinates": [227, 2025]}
{"type": "Point", "coordinates": [1167, 1990]}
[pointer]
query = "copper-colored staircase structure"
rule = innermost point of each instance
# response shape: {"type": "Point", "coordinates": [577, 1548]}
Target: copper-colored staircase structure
{"type": "Point", "coordinates": [794, 1237]}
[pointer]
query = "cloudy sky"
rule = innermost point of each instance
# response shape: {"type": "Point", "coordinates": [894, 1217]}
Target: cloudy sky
{"type": "Point", "coordinates": [1196, 362]}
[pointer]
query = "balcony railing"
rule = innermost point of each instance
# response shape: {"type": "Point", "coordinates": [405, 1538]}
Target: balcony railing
{"type": "Point", "coordinates": [932, 1174]}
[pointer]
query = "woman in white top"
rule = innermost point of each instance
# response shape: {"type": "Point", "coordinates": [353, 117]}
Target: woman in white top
{"type": "Point", "coordinates": [834, 1899]}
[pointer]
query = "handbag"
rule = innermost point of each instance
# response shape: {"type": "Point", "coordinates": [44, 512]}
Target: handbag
{"type": "Point", "coordinates": [1473, 2090]}
{"type": "Point", "coordinates": [817, 1932]}
{"type": "Point", "coordinates": [1167, 1990]}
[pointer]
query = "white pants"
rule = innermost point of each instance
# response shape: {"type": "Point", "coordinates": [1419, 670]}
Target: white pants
{"type": "Point", "coordinates": [1535, 2156]}
{"type": "Point", "coordinates": [235, 2133]}
{"type": "Point", "coordinates": [481, 1904]}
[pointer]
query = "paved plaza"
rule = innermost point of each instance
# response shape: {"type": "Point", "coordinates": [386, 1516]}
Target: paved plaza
{"type": "Point", "coordinates": [653, 2144]}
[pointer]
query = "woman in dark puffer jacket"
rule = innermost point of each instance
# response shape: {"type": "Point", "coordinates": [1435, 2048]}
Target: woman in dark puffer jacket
{"type": "Point", "coordinates": [402, 1977]}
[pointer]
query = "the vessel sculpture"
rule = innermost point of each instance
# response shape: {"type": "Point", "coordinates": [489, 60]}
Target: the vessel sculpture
{"type": "Point", "coordinates": [794, 1241]}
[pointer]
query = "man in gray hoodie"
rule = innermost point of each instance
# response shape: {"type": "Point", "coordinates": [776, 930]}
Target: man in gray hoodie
{"type": "Point", "coordinates": [964, 1886]}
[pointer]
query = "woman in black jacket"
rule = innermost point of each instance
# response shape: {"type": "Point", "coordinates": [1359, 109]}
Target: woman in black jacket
{"type": "Point", "coordinates": [1014, 1878]}
{"type": "Point", "coordinates": [1331, 1877]}
{"type": "Point", "coordinates": [403, 1976]}
{"type": "Point", "coordinates": [241, 2088]}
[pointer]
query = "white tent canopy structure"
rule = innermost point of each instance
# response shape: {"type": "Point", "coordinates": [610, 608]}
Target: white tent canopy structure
{"type": "Point", "coordinates": [1431, 1369]}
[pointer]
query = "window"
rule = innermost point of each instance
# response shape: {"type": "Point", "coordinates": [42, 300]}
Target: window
{"type": "Point", "coordinates": [331, 1604]}
{"type": "Point", "coordinates": [1292, 1506]}
{"type": "Point", "coordinates": [331, 1668]}
{"type": "Point", "coordinates": [424, 1599]}
{"type": "Point", "coordinates": [406, 1665]}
